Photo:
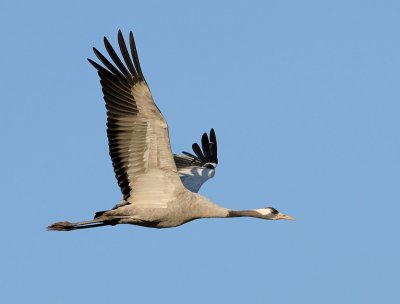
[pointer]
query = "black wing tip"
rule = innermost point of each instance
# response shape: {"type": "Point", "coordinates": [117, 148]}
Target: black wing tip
{"type": "Point", "coordinates": [96, 51]}
{"type": "Point", "coordinates": [206, 154]}
{"type": "Point", "coordinates": [135, 56]}
{"type": "Point", "coordinates": [97, 66]}
{"type": "Point", "coordinates": [199, 153]}
{"type": "Point", "coordinates": [205, 143]}
{"type": "Point", "coordinates": [213, 146]}
{"type": "Point", "coordinates": [120, 35]}
{"type": "Point", "coordinates": [212, 134]}
{"type": "Point", "coordinates": [134, 68]}
{"type": "Point", "coordinates": [208, 151]}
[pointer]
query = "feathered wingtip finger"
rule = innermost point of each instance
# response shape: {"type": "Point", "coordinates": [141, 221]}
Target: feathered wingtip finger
{"type": "Point", "coordinates": [206, 146]}
{"type": "Point", "coordinates": [213, 147]}
{"type": "Point", "coordinates": [208, 152]}
{"type": "Point", "coordinates": [197, 150]}
{"type": "Point", "coordinates": [131, 71]}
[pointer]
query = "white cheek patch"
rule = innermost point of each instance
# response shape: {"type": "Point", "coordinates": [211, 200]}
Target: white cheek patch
{"type": "Point", "coordinates": [263, 211]}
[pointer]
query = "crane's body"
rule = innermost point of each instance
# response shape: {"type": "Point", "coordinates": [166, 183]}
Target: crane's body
{"type": "Point", "coordinates": [184, 206]}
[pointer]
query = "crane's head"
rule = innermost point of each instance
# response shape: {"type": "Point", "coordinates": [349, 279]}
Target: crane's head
{"type": "Point", "coordinates": [271, 213]}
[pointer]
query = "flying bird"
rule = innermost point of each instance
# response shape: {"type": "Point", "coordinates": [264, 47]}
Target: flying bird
{"type": "Point", "coordinates": [153, 190]}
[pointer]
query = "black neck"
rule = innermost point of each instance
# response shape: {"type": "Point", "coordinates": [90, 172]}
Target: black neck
{"type": "Point", "coordinates": [241, 213]}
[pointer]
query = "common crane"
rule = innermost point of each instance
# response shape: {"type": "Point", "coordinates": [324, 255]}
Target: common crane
{"type": "Point", "coordinates": [153, 193]}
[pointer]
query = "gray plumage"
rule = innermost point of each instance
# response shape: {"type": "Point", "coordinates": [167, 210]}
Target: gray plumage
{"type": "Point", "coordinates": [144, 166]}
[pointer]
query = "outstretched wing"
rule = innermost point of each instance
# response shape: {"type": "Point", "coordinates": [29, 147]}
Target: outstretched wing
{"type": "Point", "coordinates": [137, 131]}
{"type": "Point", "coordinates": [195, 170]}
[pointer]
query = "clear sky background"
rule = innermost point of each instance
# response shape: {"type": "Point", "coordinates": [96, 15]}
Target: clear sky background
{"type": "Point", "coordinates": [304, 97]}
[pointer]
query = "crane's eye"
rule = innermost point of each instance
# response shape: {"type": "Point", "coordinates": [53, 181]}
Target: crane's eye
{"type": "Point", "coordinates": [209, 166]}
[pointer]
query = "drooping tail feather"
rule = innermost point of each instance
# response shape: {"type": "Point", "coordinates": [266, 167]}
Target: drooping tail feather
{"type": "Point", "coordinates": [67, 226]}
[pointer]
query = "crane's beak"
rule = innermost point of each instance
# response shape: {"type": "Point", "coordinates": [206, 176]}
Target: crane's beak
{"type": "Point", "coordinates": [281, 216]}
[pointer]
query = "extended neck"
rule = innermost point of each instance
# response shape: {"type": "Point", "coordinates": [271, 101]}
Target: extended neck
{"type": "Point", "coordinates": [205, 208]}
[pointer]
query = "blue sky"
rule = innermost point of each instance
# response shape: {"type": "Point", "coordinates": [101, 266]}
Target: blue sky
{"type": "Point", "coordinates": [304, 97]}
